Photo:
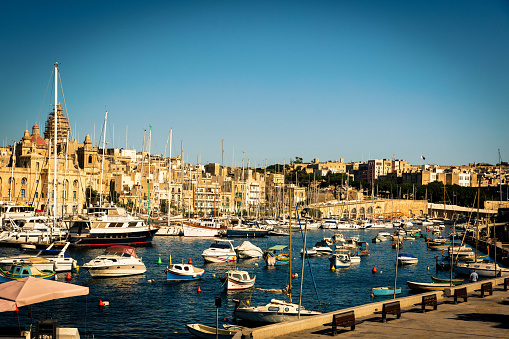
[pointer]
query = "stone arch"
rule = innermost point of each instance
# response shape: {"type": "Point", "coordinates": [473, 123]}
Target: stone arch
{"type": "Point", "coordinates": [353, 213]}
{"type": "Point", "coordinates": [362, 213]}
{"type": "Point", "coordinates": [345, 214]}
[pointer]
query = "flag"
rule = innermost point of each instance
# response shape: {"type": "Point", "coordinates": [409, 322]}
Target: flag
{"type": "Point", "coordinates": [422, 157]}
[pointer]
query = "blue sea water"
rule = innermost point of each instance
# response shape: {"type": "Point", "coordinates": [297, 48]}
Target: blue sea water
{"type": "Point", "coordinates": [141, 308]}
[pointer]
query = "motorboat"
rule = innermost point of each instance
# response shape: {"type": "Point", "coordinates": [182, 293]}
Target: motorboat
{"type": "Point", "coordinates": [55, 260]}
{"type": "Point", "coordinates": [220, 251]}
{"type": "Point", "coordinates": [322, 248]}
{"type": "Point", "coordinates": [339, 260]}
{"type": "Point", "coordinates": [363, 248]}
{"type": "Point", "coordinates": [32, 229]}
{"type": "Point", "coordinates": [24, 270]}
{"type": "Point", "coordinates": [310, 252]}
{"type": "Point", "coordinates": [483, 269]}
{"type": "Point", "coordinates": [109, 225]}
{"type": "Point", "coordinates": [274, 312]}
{"type": "Point", "coordinates": [117, 261]}
{"type": "Point", "coordinates": [180, 272]}
{"type": "Point", "coordinates": [276, 255]}
{"type": "Point", "coordinates": [247, 251]}
{"type": "Point", "coordinates": [237, 280]}
{"type": "Point", "coordinates": [407, 259]}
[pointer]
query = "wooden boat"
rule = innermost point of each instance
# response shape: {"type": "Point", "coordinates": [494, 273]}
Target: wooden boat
{"type": "Point", "coordinates": [180, 272]}
{"type": "Point", "coordinates": [274, 257]}
{"type": "Point", "coordinates": [237, 280]}
{"type": "Point", "coordinates": [454, 281]}
{"type": "Point", "coordinates": [20, 271]}
{"type": "Point", "coordinates": [209, 332]}
{"type": "Point", "coordinates": [427, 286]}
{"type": "Point", "coordinates": [379, 291]}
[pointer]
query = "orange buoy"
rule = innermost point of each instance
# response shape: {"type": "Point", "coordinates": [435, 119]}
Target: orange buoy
{"type": "Point", "coordinates": [68, 276]}
{"type": "Point", "coordinates": [199, 289]}
{"type": "Point", "coordinates": [190, 262]}
{"type": "Point", "coordinates": [101, 304]}
{"type": "Point", "coordinates": [224, 319]}
{"type": "Point", "coordinates": [373, 270]}
{"type": "Point", "coordinates": [17, 309]}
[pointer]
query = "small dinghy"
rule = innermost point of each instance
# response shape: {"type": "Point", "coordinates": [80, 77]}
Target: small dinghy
{"type": "Point", "coordinates": [204, 331]}
{"type": "Point", "coordinates": [378, 291]}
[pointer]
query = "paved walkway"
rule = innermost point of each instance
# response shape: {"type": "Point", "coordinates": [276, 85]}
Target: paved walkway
{"type": "Point", "coordinates": [486, 317]}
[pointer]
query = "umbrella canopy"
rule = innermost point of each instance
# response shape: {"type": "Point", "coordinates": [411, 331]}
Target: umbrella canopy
{"type": "Point", "coordinates": [32, 290]}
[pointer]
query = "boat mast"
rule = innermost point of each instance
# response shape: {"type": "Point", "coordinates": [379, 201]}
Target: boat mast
{"type": "Point", "coordinates": [12, 170]}
{"type": "Point", "coordinates": [55, 196]}
{"type": "Point", "coordinates": [149, 142]}
{"type": "Point", "coordinates": [169, 181]}
{"type": "Point", "coordinates": [102, 163]}
{"type": "Point", "coordinates": [290, 240]}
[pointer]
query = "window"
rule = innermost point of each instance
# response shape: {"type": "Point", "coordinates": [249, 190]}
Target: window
{"type": "Point", "coordinates": [9, 192]}
{"type": "Point", "coordinates": [36, 195]}
{"type": "Point", "coordinates": [22, 193]}
{"type": "Point", "coordinates": [75, 183]}
{"type": "Point", "coordinates": [74, 195]}
{"type": "Point", "coordinates": [23, 181]}
{"type": "Point", "coordinates": [89, 159]}
{"type": "Point", "coordinates": [10, 180]}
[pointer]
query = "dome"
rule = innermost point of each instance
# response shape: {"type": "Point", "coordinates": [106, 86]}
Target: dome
{"type": "Point", "coordinates": [36, 137]}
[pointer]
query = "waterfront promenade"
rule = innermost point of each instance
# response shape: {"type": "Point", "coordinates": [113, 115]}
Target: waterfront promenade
{"type": "Point", "coordinates": [486, 317]}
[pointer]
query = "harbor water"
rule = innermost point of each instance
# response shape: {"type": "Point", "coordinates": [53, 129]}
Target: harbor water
{"type": "Point", "coordinates": [149, 306]}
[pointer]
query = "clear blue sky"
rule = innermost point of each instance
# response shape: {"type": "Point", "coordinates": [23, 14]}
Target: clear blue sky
{"type": "Point", "coordinates": [356, 80]}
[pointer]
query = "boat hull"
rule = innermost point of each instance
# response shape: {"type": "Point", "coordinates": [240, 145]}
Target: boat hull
{"type": "Point", "coordinates": [180, 275]}
{"type": "Point", "coordinates": [209, 332]}
{"type": "Point", "coordinates": [116, 270]}
{"type": "Point", "coordinates": [94, 239]}
{"type": "Point", "coordinates": [248, 233]}
{"type": "Point", "coordinates": [220, 258]}
{"type": "Point", "coordinates": [427, 286]}
{"type": "Point", "coordinates": [384, 291]}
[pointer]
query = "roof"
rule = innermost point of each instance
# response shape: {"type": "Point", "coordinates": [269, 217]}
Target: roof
{"type": "Point", "coordinates": [278, 247]}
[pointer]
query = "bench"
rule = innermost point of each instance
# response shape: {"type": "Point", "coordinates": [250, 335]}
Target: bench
{"type": "Point", "coordinates": [461, 293]}
{"type": "Point", "coordinates": [486, 287]}
{"type": "Point", "coordinates": [393, 308]}
{"type": "Point", "coordinates": [429, 300]}
{"type": "Point", "coordinates": [345, 319]}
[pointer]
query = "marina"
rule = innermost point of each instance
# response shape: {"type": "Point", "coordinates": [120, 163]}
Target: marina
{"type": "Point", "coordinates": [165, 307]}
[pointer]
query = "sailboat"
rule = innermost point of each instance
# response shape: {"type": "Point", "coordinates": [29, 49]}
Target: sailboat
{"type": "Point", "coordinates": [275, 311]}
{"type": "Point", "coordinates": [483, 269]}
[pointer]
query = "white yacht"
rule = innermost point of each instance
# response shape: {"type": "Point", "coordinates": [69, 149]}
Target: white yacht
{"type": "Point", "coordinates": [340, 260]}
{"type": "Point", "coordinates": [32, 229]}
{"type": "Point", "coordinates": [117, 261]}
{"type": "Point", "coordinates": [55, 260]}
{"type": "Point", "coordinates": [220, 251]}
{"type": "Point", "coordinates": [109, 225]}
{"type": "Point", "coordinates": [206, 227]}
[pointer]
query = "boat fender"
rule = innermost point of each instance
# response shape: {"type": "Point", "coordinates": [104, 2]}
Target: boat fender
{"type": "Point", "coordinates": [55, 265]}
{"type": "Point", "coordinates": [427, 267]}
{"type": "Point", "coordinates": [74, 265]}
